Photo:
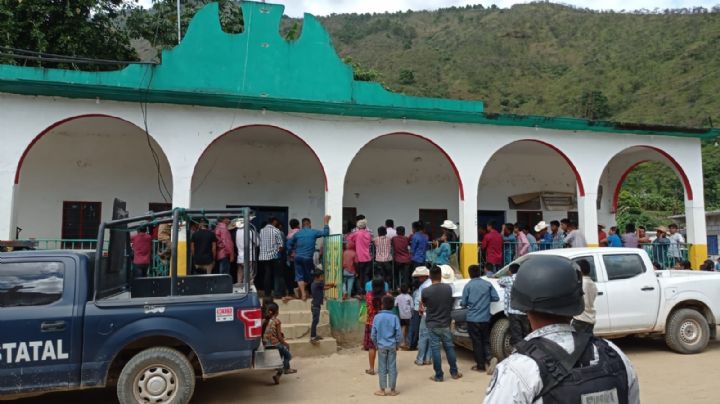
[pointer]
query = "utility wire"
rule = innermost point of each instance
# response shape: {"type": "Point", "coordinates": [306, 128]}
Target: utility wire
{"type": "Point", "coordinates": [49, 57]}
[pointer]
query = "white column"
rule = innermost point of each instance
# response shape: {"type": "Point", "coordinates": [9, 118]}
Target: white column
{"type": "Point", "coordinates": [468, 229]}
{"type": "Point", "coordinates": [334, 201]}
{"type": "Point", "coordinates": [587, 215]}
{"type": "Point", "coordinates": [7, 197]}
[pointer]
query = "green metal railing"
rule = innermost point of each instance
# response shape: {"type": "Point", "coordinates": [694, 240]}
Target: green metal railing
{"type": "Point", "coordinates": [332, 264]}
{"type": "Point", "coordinates": [668, 256]}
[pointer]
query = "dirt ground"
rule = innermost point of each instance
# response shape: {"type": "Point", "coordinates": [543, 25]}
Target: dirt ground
{"type": "Point", "coordinates": [665, 377]}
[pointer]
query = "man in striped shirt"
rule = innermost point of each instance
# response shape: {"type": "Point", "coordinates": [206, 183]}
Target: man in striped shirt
{"type": "Point", "coordinates": [271, 244]}
{"type": "Point", "coordinates": [383, 256]}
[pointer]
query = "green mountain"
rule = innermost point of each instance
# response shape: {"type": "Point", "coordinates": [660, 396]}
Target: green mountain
{"type": "Point", "coordinates": [541, 58]}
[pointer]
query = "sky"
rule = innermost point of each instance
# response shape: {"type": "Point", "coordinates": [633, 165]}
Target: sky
{"type": "Point", "coordinates": [296, 8]}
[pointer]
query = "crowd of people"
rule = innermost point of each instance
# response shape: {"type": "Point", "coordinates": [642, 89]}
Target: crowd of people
{"type": "Point", "coordinates": [498, 246]}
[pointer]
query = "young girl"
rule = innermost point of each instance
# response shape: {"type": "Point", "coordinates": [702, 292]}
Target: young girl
{"type": "Point", "coordinates": [404, 303]}
{"type": "Point", "coordinates": [349, 259]}
{"type": "Point", "coordinates": [273, 337]}
{"type": "Point", "coordinates": [373, 300]}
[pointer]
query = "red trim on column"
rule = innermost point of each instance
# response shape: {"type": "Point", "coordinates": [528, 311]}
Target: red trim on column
{"type": "Point", "coordinates": [322, 167]}
{"type": "Point", "coordinates": [53, 126]}
{"type": "Point", "coordinates": [678, 168]}
{"type": "Point", "coordinates": [581, 187]}
{"type": "Point", "coordinates": [440, 149]}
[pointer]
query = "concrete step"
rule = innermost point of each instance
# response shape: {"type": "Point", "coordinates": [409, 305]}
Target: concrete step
{"type": "Point", "coordinates": [294, 305]}
{"type": "Point", "coordinates": [298, 331]}
{"type": "Point", "coordinates": [303, 347]}
{"type": "Point", "coordinates": [302, 317]}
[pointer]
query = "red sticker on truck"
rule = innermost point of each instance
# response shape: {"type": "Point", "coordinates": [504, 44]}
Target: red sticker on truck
{"type": "Point", "coordinates": [223, 314]}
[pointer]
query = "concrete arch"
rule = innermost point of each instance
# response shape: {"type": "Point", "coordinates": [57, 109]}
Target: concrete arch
{"type": "Point", "coordinates": [672, 162]}
{"type": "Point", "coordinates": [281, 129]}
{"type": "Point", "coordinates": [445, 154]}
{"type": "Point", "coordinates": [84, 161]}
{"type": "Point", "coordinates": [570, 163]}
{"type": "Point", "coordinates": [61, 122]}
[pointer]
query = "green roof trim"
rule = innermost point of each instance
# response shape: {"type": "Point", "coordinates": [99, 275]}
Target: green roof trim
{"type": "Point", "coordinates": [258, 69]}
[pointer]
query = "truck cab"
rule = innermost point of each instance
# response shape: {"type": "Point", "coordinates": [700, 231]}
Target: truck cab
{"type": "Point", "coordinates": [78, 319]}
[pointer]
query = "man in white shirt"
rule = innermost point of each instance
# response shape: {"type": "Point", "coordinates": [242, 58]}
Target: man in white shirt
{"type": "Point", "coordinates": [585, 322]}
{"type": "Point", "coordinates": [676, 241]}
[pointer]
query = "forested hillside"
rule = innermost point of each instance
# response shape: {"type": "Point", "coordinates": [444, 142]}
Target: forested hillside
{"type": "Point", "coordinates": [542, 58]}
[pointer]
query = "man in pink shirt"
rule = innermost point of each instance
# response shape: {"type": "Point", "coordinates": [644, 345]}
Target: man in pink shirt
{"type": "Point", "coordinates": [523, 245]}
{"type": "Point", "coordinates": [362, 239]}
{"type": "Point", "coordinates": [225, 246]}
{"type": "Point", "coordinates": [141, 244]}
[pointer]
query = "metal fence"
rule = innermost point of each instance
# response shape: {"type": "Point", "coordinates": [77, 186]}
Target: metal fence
{"type": "Point", "coordinates": [332, 252]}
{"type": "Point", "coordinates": [667, 255]}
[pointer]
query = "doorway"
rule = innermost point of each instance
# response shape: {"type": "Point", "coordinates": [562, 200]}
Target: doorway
{"type": "Point", "coordinates": [264, 213]}
{"type": "Point", "coordinates": [432, 219]}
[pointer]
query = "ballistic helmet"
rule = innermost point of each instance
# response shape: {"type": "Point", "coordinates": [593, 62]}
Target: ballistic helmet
{"type": "Point", "coordinates": [548, 284]}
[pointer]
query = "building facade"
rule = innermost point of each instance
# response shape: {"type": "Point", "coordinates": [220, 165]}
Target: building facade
{"type": "Point", "coordinates": [251, 119]}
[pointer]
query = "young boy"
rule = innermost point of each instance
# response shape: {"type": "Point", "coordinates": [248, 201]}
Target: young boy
{"type": "Point", "coordinates": [273, 337]}
{"type": "Point", "coordinates": [386, 336]}
{"type": "Point", "coordinates": [317, 291]}
{"type": "Point", "coordinates": [404, 303]}
{"type": "Point", "coordinates": [349, 259]}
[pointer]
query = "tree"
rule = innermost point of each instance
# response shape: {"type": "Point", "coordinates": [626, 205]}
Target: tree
{"type": "Point", "coordinates": [79, 28]}
{"type": "Point", "coordinates": [594, 105]}
{"type": "Point", "coordinates": [406, 77]}
{"type": "Point", "coordinates": [158, 25]}
{"type": "Point", "coordinates": [360, 73]}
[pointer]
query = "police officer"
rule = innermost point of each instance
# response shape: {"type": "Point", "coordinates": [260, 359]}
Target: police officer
{"type": "Point", "coordinates": [553, 364]}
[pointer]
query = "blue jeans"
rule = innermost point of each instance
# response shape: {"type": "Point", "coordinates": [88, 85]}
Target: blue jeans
{"type": "Point", "coordinates": [442, 338]}
{"type": "Point", "coordinates": [414, 329]}
{"type": "Point", "coordinates": [223, 266]}
{"type": "Point", "coordinates": [387, 368]}
{"type": "Point", "coordinates": [424, 350]}
{"type": "Point", "coordinates": [315, 310]}
{"type": "Point", "coordinates": [285, 355]}
{"type": "Point", "coordinates": [348, 283]}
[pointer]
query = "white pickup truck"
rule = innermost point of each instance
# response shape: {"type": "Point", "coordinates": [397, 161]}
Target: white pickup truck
{"type": "Point", "coordinates": [633, 299]}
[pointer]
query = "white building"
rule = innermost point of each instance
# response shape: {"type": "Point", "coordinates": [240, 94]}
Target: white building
{"type": "Point", "coordinates": [252, 119]}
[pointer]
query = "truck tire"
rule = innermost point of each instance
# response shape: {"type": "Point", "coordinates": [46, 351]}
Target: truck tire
{"type": "Point", "coordinates": [687, 331]}
{"type": "Point", "coordinates": [500, 339]}
{"type": "Point", "coordinates": [156, 375]}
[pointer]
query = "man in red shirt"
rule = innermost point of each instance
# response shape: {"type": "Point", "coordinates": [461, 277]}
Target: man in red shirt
{"type": "Point", "coordinates": [602, 236]}
{"type": "Point", "coordinates": [401, 255]}
{"type": "Point", "coordinates": [492, 244]}
{"type": "Point", "coordinates": [141, 244]}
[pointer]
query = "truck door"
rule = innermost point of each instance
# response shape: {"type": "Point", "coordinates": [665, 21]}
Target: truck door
{"type": "Point", "coordinates": [633, 293]}
{"type": "Point", "coordinates": [36, 343]}
{"type": "Point", "coordinates": [602, 319]}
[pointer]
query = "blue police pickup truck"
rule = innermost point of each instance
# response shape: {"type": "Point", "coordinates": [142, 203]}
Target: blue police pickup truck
{"type": "Point", "coordinates": [74, 320]}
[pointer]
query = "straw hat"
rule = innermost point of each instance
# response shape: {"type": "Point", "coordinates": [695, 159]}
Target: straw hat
{"type": "Point", "coordinates": [448, 224]}
{"type": "Point", "coordinates": [662, 229]}
{"type": "Point", "coordinates": [420, 271]}
{"type": "Point", "coordinates": [541, 226]}
{"type": "Point", "coordinates": [362, 224]}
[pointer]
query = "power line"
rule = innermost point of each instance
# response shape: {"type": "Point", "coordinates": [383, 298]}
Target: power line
{"type": "Point", "coordinates": [56, 58]}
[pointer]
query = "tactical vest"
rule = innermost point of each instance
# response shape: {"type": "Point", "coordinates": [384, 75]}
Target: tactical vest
{"type": "Point", "coordinates": [570, 379]}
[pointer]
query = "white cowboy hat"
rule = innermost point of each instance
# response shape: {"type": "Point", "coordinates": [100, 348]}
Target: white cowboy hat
{"type": "Point", "coordinates": [420, 271]}
{"type": "Point", "coordinates": [448, 274]}
{"type": "Point", "coordinates": [448, 224]}
{"type": "Point", "coordinates": [541, 226]}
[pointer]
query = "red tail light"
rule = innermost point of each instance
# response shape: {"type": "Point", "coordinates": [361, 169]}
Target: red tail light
{"type": "Point", "coordinates": [252, 319]}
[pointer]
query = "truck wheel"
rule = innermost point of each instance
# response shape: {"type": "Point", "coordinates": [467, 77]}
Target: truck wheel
{"type": "Point", "coordinates": [156, 375]}
{"type": "Point", "coordinates": [500, 339]}
{"type": "Point", "coordinates": [687, 332]}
